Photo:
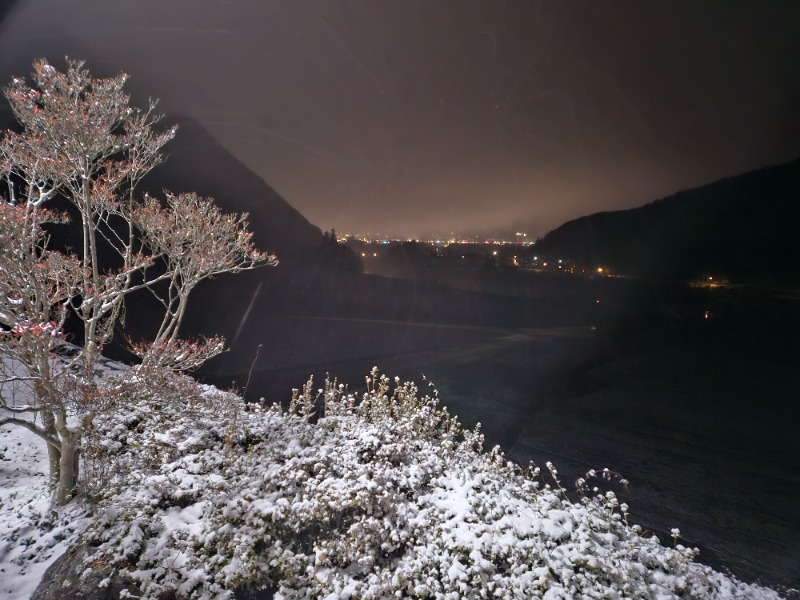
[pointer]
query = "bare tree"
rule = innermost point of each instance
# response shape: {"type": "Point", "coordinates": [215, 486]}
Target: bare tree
{"type": "Point", "coordinates": [197, 241]}
{"type": "Point", "coordinates": [81, 140]}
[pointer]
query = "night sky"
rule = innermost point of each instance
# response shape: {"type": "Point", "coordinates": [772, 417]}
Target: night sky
{"type": "Point", "coordinates": [430, 116]}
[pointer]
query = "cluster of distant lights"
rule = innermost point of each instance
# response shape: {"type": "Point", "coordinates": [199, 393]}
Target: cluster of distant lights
{"type": "Point", "coordinates": [521, 240]}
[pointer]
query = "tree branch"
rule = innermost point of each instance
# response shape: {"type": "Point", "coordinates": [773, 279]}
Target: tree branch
{"type": "Point", "coordinates": [51, 440]}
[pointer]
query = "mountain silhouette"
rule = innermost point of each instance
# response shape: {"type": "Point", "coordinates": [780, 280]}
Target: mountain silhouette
{"type": "Point", "coordinates": [743, 228]}
{"type": "Point", "coordinates": [197, 162]}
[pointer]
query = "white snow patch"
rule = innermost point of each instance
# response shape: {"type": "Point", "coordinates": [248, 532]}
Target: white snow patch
{"type": "Point", "coordinates": [33, 531]}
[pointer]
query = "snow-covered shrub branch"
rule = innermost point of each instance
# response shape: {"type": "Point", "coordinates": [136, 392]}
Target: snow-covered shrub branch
{"type": "Point", "coordinates": [82, 141]}
{"type": "Point", "coordinates": [381, 494]}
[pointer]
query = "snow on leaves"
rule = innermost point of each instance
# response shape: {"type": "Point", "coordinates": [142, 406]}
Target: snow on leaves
{"type": "Point", "coordinates": [384, 495]}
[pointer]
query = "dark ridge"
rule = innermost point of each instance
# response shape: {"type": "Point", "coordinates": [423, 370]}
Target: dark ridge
{"type": "Point", "coordinates": [7, 7]}
{"type": "Point", "coordinates": [742, 228]}
{"type": "Point", "coordinates": [197, 162]}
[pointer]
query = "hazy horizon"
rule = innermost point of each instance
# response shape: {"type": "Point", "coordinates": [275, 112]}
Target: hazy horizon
{"type": "Point", "coordinates": [420, 117]}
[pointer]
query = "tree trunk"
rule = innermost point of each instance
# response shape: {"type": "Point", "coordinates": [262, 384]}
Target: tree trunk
{"type": "Point", "coordinates": [53, 453]}
{"type": "Point", "coordinates": [68, 468]}
{"type": "Point", "coordinates": [55, 461]}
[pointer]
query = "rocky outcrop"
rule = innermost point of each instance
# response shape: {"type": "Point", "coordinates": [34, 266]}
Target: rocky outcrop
{"type": "Point", "coordinates": [74, 576]}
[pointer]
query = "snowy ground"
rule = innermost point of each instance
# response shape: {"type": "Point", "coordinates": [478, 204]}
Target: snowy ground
{"type": "Point", "coordinates": [32, 533]}
{"type": "Point", "coordinates": [379, 498]}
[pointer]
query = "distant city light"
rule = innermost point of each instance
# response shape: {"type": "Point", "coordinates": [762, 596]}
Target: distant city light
{"type": "Point", "coordinates": [467, 249]}
{"type": "Point", "coordinates": [521, 239]}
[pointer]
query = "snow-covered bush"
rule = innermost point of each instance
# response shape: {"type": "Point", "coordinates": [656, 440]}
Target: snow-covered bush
{"type": "Point", "coordinates": [376, 496]}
